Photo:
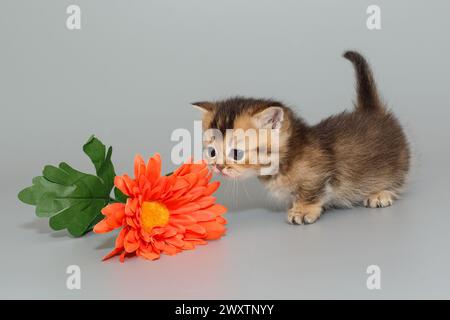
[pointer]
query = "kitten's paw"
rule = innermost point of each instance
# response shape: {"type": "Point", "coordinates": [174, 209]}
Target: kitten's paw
{"type": "Point", "coordinates": [304, 214]}
{"type": "Point", "coordinates": [294, 217]}
{"type": "Point", "coordinates": [380, 200]}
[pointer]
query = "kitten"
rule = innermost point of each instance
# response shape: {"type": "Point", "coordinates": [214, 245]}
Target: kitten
{"type": "Point", "coordinates": [352, 158]}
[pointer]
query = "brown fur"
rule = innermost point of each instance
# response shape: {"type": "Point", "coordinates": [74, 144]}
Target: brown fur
{"type": "Point", "coordinates": [352, 158]}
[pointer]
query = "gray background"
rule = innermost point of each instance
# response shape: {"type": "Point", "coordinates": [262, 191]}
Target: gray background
{"type": "Point", "coordinates": [128, 76]}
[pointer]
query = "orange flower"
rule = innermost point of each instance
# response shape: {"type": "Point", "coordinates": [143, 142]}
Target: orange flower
{"type": "Point", "coordinates": [163, 214]}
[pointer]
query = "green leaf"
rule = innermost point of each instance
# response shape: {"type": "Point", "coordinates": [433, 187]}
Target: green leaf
{"type": "Point", "coordinates": [32, 194]}
{"type": "Point", "coordinates": [101, 159]}
{"type": "Point", "coordinates": [120, 196]}
{"type": "Point", "coordinates": [73, 200]}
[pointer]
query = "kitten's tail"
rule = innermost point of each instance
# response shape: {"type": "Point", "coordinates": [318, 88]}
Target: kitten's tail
{"type": "Point", "coordinates": [366, 89]}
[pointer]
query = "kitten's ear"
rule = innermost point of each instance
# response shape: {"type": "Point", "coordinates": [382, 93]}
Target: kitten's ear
{"type": "Point", "coordinates": [203, 106]}
{"type": "Point", "coordinates": [269, 118]}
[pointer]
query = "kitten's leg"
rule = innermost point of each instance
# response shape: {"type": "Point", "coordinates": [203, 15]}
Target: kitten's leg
{"type": "Point", "coordinates": [380, 200]}
{"type": "Point", "coordinates": [302, 212]}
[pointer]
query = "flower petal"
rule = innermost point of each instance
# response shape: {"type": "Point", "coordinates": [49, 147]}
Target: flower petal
{"type": "Point", "coordinates": [147, 254]}
{"type": "Point", "coordinates": [196, 241]}
{"type": "Point", "coordinates": [180, 184]}
{"type": "Point", "coordinates": [120, 238]}
{"type": "Point", "coordinates": [205, 201]}
{"type": "Point", "coordinates": [159, 244]}
{"type": "Point", "coordinates": [197, 228]}
{"type": "Point", "coordinates": [170, 250]}
{"type": "Point", "coordinates": [131, 243]}
{"type": "Point", "coordinates": [217, 209]}
{"type": "Point", "coordinates": [124, 184]}
{"type": "Point", "coordinates": [175, 242]}
{"type": "Point", "coordinates": [211, 188]}
{"type": "Point", "coordinates": [139, 166]}
{"type": "Point", "coordinates": [182, 170]}
{"type": "Point", "coordinates": [131, 206]}
{"type": "Point", "coordinates": [113, 253]}
{"type": "Point", "coordinates": [214, 230]}
{"type": "Point", "coordinates": [191, 207]}
{"type": "Point", "coordinates": [170, 232]}
{"type": "Point", "coordinates": [154, 168]}
{"type": "Point", "coordinates": [183, 219]}
{"type": "Point", "coordinates": [191, 179]}
{"type": "Point", "coordinates": [114, 214]}
{"type": "Point", "coordinates": [102, 227]}
{"type": "Point", "coordinates": [110, 209]}
{"type": "Point", "coordinates": [188, 245]}
{"type": "Point", "coordinates": [180, 228]}
{"type": "Point", "coordinates": [203, 215]}
{"type": "Point", "coordinates": [221, 220]}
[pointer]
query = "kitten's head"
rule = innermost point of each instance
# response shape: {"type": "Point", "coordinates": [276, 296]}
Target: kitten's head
{"type": "Point", "coordinates": [242, 136]}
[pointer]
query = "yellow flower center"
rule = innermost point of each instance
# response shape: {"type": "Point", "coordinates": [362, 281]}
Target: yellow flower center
{"type": "Point", "coordinates": [153, 214]}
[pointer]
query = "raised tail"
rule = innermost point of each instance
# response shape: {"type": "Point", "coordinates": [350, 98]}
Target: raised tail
{"type": "Point", "coordinates": [366, 89]}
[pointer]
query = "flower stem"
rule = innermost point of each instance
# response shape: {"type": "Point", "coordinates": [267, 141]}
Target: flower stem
{"type": "Point", "coordinates": [112, 200]}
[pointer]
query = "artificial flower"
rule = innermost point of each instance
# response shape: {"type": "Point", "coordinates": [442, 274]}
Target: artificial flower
{"type": "Point", "coordinates": [163, 214]}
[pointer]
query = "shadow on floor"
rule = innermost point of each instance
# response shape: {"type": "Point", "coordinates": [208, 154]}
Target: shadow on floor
{"type": "Point", "coordinates": [41, 226]}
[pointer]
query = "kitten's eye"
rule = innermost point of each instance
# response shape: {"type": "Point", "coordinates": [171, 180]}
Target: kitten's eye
{"type": "Point", "coordinates": [236, 154]}
{"type": "Point", "coordinates": [211, 152]}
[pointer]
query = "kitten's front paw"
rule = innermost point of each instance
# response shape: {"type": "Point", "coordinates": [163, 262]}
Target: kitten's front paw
{"type": "Point", "coordinates": [304, 214]}
{"type": "Point", "coordinates": [380, 200]}
{"type": "Point", "coordinates": [294, 217]}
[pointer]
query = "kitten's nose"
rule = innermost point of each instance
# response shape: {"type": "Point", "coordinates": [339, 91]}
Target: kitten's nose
{"type": "Point", "coordinates": [220, 166]}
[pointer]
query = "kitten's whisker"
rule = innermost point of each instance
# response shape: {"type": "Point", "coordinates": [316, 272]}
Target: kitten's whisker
{"type": "Point", "coordinates": [228, 189]}
{"type": "Point", "coordinates": [237, 192]}
{"type": "Point", "coordinates": [234, 193]}
{"type": "Point", "coordinates": [245, 189]}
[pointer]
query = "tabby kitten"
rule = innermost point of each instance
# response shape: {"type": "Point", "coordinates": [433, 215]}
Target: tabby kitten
{"type": "Point", "coordinates": [352, 158]}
